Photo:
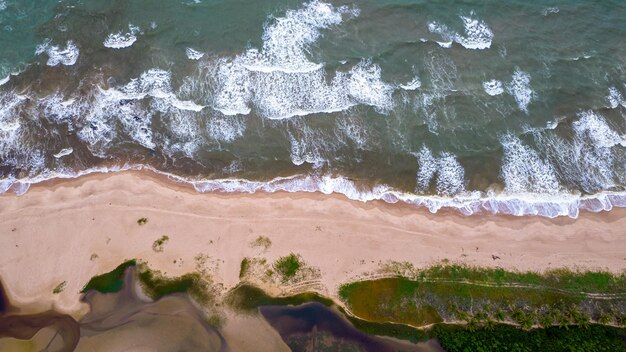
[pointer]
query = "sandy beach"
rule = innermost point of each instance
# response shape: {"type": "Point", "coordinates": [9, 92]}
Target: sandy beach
{"type": "Point", "coordinates": [74, 229]}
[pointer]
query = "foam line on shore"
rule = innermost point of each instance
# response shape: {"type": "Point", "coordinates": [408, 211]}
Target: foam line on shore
{"type": "Point", "coordinates": [469, 203]}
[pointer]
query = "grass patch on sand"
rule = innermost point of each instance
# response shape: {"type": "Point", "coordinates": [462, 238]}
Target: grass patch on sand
{"type": "Point", "coordinates": [111, 281]}
{"type": "Point", "coordinates": [157, 285]}
{"type": "Point", "coordinates": [244, 267]}
{"type": "Point", "coordinates": [158, 245]}
{"type": "Point", "coordinates": [142, 221]}
{"type": "Point", "coordinates": [262, 242]}
{"type": "Point", "coordinates": [288, 266]}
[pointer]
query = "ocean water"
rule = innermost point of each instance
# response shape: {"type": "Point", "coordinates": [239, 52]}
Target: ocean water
{"type": "Point", "coordinates": [509, 107]}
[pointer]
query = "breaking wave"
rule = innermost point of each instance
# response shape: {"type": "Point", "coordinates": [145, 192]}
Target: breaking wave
{"type": "Point", "coordinates": [477, 35]}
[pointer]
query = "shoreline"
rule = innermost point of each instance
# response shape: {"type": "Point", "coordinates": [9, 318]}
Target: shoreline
{"type": "Point", "coordinates": [561, 204]}
{"type": "Point", "coordinates": [50, 234]}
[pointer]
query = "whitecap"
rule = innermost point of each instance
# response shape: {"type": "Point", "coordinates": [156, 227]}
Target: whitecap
{"type": "Point", "coordinates": [520, 89]}
{"type": "Point", "coordinates": [615, 98]}
{"type": "Point", "coordinates": [121, 40]}
{"type": "Point", "coordinates": [193, 54]}
{"type": "Point", "coordinates": [477, 34]}
{"type": "Point", "coordinates": [414, 84]}
{"type": "Point", "coordinates": [63, 152]}
{"type": "Point", "coordinates": [493, 87]}
{"type": "Point", "coordinates": [550, 11]}
{"type": "Point", "coordinates": [59, 56]}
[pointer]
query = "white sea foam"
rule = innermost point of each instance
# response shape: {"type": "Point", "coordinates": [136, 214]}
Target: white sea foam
{"type": "Point", "coordinates": [59, 56]}
{"type": "Point", "coordinates": [615, 98]}
{"type": "Point", "coordinates": [366, 87]}
{"type": "Point", "coordinates": [124, 105]}
{"type": "Point", "coordinates": [550, 11]}
{"type": "Point", "coordinates": [553, 205]}
{"type": "Point", "coordinates": [590, 158]}
{"type": "Point", "coordinates": [523, 171]}
{"type": "Point", "coordinates": [414, 84]}
{"type": "Point", "coordinates": [5, 80]}
{"type": "Point", "coordinates": [450, 175]}
{"type": "Point", "coordinates": [121, 40]}
{"type": "Point", "coordinates": [493, 87]}
{"type": "Point", "coordinates": [193, 54]}
{"type": "Point", "coordinates": [226, 128]}
{"type": "Point", "coordinates": [597, 130]}
{"type": "Point", "coordinates": [10, 126]}
{"type": "Point", "coordinates": [280, 81]}
{"type": "Point", "coordinates": [3, 5]}
{"type": "Point", "coordinates": [308, 145]}
{"type": "Point", "coordinates": [477, 34]}
{"type": "Point", "coordinates": [63, 152]}
{"type": "Point", "coordinates": [520, 89]}
{"type": "Point", "coordinates": [285, 40]}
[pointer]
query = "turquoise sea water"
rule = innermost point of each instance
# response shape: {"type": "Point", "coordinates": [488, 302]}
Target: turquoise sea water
{"type": "Point", "coordinates": [500, 106]}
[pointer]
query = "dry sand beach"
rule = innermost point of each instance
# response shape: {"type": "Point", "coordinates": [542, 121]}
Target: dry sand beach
{"type": "Point", "coordinates": [72, 230]}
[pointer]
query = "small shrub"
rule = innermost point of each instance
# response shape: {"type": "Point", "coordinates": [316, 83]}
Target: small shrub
{"type": "Point", "coordinates": [288, 266]}
{"type": "Point", "coordinates": [59, 288]}
{"type": "Point", "coordinates": [546, 321]}
{"type": "Point", "coordinates": [261, 241]}
{"type": "Point", "coordinates": [157, 246]}
{"type": "Point", "coordinates": [142, 221]}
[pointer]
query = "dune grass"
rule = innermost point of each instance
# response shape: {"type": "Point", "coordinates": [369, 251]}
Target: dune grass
{"type": "Point", "coordinates": [157, 285]}
{"type": "Point", "coordinates": [288, 266]}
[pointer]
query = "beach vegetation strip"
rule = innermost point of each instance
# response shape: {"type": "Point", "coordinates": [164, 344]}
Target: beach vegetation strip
{"type": "Point", "coordinates": [476, 297]}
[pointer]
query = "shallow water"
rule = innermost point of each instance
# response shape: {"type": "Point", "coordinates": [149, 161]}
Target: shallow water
{"type": "Point", "coordinates": [498, 106]}
{"type": "Point", "coordinates": [315, 327]}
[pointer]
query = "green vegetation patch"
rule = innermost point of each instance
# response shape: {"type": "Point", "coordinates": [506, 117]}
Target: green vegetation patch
{"type": "Point", "coordinates": [158, 245]}
{"type": "Point", "coordinates": [389, 300]}
{"type": "Point", "coordinates": [157, 285]}
{"type": "Point", "coordinates": [245, 266]}
{"type": "Point", "coordinates": [247, 298]}
{"type": "Point", "coordinates": [562, 279]}
{"type": "Point", "coordinates": [507, 338]}
{"type": "Point", "coordinates": [111, 281]}
{"type": "Point", "coordinates": [287, 267]}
